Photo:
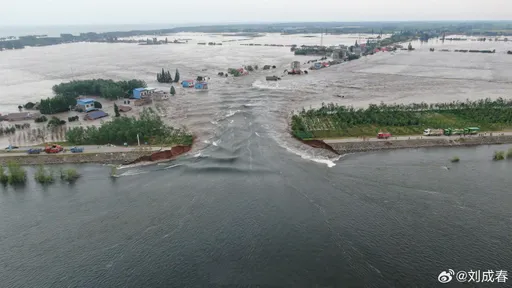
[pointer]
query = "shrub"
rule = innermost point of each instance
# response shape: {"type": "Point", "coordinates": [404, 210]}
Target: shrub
{"type": "Point", "coordinates": [509, 154]}
{"type": "Point", "coordinates": [499, 155]}
{"type": "Point", "coordinates": [97, 105]}
{"type": "Point", "coordinates": [17, 175]}
{"type": "Point", "coordinates": [29, 105]}
{"type": "Point", "coordinates": [54, 122]}
{"type": "Point", "coordinates": [455, 159]}
{"type": "Point", "coordinates": [41, 119]}
{"type": "Point", "coordinates": [43, 176]}
{"type": "Point", "coordinates": [69, 175]}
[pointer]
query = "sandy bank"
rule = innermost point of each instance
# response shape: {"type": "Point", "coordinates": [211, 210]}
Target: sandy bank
{"type": "Point", "coordinates": [343, 147]}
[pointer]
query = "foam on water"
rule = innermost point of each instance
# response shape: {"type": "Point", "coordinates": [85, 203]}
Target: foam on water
{"type": "Point", "coordinates": [265, 85]}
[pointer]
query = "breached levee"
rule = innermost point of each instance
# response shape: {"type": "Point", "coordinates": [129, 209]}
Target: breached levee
{"type": "Point", "coordinates": [362, 146]}
{"type": "Point", "coordinates": [124, 158]}
{"type": "Point", "coordinates": [162, 155]}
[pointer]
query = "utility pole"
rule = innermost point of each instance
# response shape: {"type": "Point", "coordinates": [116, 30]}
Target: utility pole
{"type": "Point", "coordinates": [322, 39]}
{"type": "Point", "coordinates": [138, 139]}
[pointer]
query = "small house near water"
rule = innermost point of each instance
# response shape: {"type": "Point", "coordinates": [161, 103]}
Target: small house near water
{"type": "Point", "coordinates": [86, 104]}
{"type": "Point", "coordinates": [201, 85]}
{"type": "Point", "coordinates": [139, 93]}
{"type": "Point", "coordinates": [187, 83]}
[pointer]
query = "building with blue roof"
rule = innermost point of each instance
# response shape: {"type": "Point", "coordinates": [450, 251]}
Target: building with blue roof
{"type": "Point", "coordinates": [86, 104]}
{"type": "Point", "coordinates": [139, 93]}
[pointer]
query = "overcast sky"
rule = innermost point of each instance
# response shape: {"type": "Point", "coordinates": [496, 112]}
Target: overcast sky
{"type": "Point", "coordinates": [98, 12]}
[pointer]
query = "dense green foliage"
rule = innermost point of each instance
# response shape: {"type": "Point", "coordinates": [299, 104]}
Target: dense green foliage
{"type": "Point", "coordinates": [173, 91]}
{"type": "Point", "coordinates": [55, 122]}
{"type": "Point", "coordinates": [108, 89]}
{"type": "Point", "coordinates": [164, 77]}
{"type": "Point", "coordinates": [43, 176]}
{"type": "Point", "coordinates": [120, 130]}
{"type": "Point", "coordinates": [41, 119]}
{"type": "Point", "coordinates": [498, 155]}
{"type": "Point", "coordinates": [69, 175]}
{"type": "Point", "coordinates": [17, 175]}
{"type": "Point", "coordinates": [66, 93]}
{"type": "Point", "coordinates": [56, 104]}
{"type": "Point", "coordinates": [341, 121]}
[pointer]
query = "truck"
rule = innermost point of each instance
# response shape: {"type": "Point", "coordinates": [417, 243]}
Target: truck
{"type": "Point", "coordinates": [451, 131]}
{"type": "Point", "coordinates": [383, 135]}
{"type": "Point", "coordinates": [471, 130]}
{"type": "Point", "coordinates": [433, 132]}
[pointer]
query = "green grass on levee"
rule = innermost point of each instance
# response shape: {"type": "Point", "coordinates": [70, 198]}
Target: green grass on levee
{"type": "Point", "coordinates": [435, 121]}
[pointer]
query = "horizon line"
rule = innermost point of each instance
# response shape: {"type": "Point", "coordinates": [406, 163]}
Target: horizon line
{"type": "Point", "coordinates": [253, 23]}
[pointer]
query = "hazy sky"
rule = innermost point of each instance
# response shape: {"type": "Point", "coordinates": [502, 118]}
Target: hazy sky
{"type": "Point", "coordinates": [96, 12]}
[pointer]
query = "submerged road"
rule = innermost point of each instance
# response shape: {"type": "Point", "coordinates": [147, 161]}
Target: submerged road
{"type": "Point", "coordinates": [408, 137]}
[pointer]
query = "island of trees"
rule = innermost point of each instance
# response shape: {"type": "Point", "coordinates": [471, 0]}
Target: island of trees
{"type": "Point", "coordinates": [332, 120]}
{"type": "Point", "coordinates": [66, 93]}
{"type": "Point", "coordinates": [120, 130]}
{"type": "Point", "coordinates": [165, 77]}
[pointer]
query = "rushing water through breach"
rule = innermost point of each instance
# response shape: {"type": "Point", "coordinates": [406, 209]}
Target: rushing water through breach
{"type": "Point", "coordinates": [241, 209]}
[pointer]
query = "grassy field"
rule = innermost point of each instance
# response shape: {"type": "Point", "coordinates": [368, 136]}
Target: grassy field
{"type": "Point", "coordinates": [323, 127]}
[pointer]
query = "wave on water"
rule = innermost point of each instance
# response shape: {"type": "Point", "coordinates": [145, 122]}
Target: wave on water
{"type": "Point", "coordinates": [323, 160]}
{"type": "Point", "coordinates": [133, 172]}
{"type": "Point", "coordinates": [172, 166]}
{"type": "Point", "coordinates": [265, 85]}
{"type": "Point", "coordinates": [305, 155]}
{"type": "Point", "coordinates": [231, 113]}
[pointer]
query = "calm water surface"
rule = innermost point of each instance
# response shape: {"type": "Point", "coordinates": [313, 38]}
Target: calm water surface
{"type": "Point", "coordinates": [248, 206]}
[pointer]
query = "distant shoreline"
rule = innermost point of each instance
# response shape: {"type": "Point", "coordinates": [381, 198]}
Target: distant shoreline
{"type": "Point", "coordinates": [496, 28]}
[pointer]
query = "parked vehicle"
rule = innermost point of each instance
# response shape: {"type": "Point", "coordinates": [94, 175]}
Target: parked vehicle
{"type": "Point", "coordinates": [76, 149]}
{"type": "Point", "coordinates": [383, 135]}
{"type": "Point", "coordinates": [34, 151]}
{"type": "Point", "coordinates": [471, 130]}
{"type": "Point", "coordinates": [53, 149]}
{"type": "Point", "coordinates": [450, 131]}
{"type": "Point", "coordinates": [433, 132]}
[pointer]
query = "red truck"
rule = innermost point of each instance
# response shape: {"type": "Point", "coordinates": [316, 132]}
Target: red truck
{"type": "Point", "coordinates": [383, 135]}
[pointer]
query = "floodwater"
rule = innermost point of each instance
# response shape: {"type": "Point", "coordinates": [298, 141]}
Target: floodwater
{"type": "Point", "coordinates": [249, 205]}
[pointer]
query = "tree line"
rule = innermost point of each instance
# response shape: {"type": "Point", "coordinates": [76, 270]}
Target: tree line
{"type": "Point", "coordinates": [165, 77]}
{"type": "Point", "coordinates": [480, 111]}
{"type": "Point", "coordinates": [66, 93]}
{"type": "Point", "coordinates": [120, 130]}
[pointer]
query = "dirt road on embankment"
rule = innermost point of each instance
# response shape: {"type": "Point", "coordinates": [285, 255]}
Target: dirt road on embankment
{"type": "Point", "coordinates": [349, 145]}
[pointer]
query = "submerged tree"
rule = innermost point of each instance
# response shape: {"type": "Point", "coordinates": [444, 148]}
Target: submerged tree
{"type": "Point", "coordinates": [116, 110]}
{"type": "Point", "coordinates": [164, 77]}
{"type": "Point", "coordinates": [173, 91]}
{"type": "Point", "coordinates": [177, 76]}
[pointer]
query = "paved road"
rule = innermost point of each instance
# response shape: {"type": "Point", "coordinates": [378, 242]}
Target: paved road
{"type": "Point", "coordinates": [373, 139]}
{"type": "Point", "coordinates": [87, 149]}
